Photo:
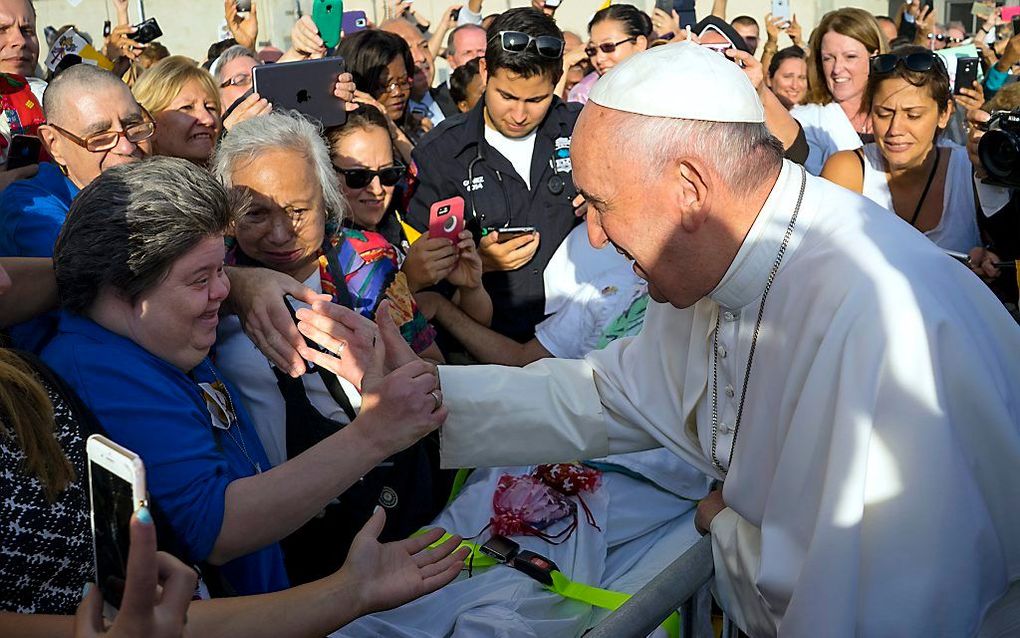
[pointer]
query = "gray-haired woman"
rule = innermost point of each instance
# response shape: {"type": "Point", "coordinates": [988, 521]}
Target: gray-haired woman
{"type": "Point", "coordinates": [293, 226]}
{"type": "Point", "coordinates": [139, 268]}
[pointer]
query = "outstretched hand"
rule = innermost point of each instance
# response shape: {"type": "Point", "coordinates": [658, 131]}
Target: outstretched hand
{"type": "Point", "coordinates": [244, 27]}
{"type": "Point", "coordinates": [387, 575]}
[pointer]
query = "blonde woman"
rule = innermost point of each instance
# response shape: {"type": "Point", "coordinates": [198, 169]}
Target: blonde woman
{"type": "Point", "coordinates": [184, 101]}
{"type": "Point", "coordinates": [835, 117]}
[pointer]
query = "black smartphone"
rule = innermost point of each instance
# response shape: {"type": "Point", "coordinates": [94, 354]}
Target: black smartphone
{"type": "Point", "coordinates": [455, 15]}
{"type": "Point", "coordinates": [1016, 24]}
{"type": "Point", "coordinates": [966, 74]}
{"type": "Point", "coordinates": [25, 150]}
{"type": "Point", "coordinates": [147, 31]}
{"type": "Point", "coordinates": [506, 234]}
{"type": "Point", "coordinates": [500, 548]}
{"type": "Point", "coordinates": [243, 6]}
{"type": "Point", "coordinates": [117, 487]}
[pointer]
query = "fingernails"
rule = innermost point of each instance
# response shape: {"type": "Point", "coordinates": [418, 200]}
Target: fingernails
{"type": "Point", "coordinates": [85, 590]}
{"type": "Point", "coordinates": [144, 515]}
{"type": "Point", "coordinates": [376, 510]}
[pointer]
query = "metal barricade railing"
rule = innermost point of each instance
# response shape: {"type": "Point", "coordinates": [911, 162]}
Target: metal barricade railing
{"type": "Point", "coordinates": [675, 587]}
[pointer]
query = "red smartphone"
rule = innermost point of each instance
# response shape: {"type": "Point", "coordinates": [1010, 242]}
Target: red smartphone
{"type": "Point", "coordinates": [446, 219]}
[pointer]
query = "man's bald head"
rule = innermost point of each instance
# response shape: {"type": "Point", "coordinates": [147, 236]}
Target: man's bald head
{"type": "Point", "coordinates": [420, 53]}
{"type": "Point", "coordinates": [467, 42]}
{"type": "Point", "coordinates": [64, 92]}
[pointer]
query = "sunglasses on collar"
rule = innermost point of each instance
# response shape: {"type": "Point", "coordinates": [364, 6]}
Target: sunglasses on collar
{"type": "Point", "coordinates": [547, 46]}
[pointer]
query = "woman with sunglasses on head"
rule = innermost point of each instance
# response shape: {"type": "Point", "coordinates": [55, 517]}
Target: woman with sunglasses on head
{"type": "Point", "coordinates": [907, 169]}
{"type": "Point", "coordinates": [363, 157]}
{"type": "Point", "coordinates": [616, 33]}
{"type": "Point", "coordinates": [382, 67]}
{"type": "Point", "coordinates": [835, 117]}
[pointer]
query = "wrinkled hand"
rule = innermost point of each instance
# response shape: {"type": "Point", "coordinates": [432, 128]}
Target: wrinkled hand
{"type": "Point", "coordinates": [244, 27]}
{"type": "Point", "coordinates": [252, 106]}
{"type": "Point", "coordinates": [351, 338]}
{"type": "Point", "coordinates": [429, 261]}
{"type": "Point", "coordinates": [925, 23]}
{"type": "Point", "coordinates": [448, 21]}
{"type": "Point", "coordinates": [667, 23]}
{"type": "Point", "coordinates": [256, 295]}
{"type": "Point", "coordinates": [397, 8]}
{"type": "Point", "coordinates": [467, 273]}
{"type": "Point", "coordinates": [773, 26]}
{"type": "Point", "coordinates": [541, 6]}
{"type": "Point", "coordinates": [795, 31]}
{"type": "Point", "coordinates": [8, 177]}
{"type": "Point", "coordinates": [971, 98]}
{"type": "Point", "coordinates": [982, 263]}
{"type": "Point", "coordinates": [400, 407]}
{"type": "Point", "coordinates": [120, 44]}
{"type": "Point", "coordinates": [344, 90]}
{"type": "Point", "coordinates": [708, 508]}
{"type": "Point", "coordinates": [976, 120]}
{"type": "Point", "coordinates": [751, 66]}
{"type": "Point", "coordinates": [573, 57]}
{"type": "Point", "coordinates": [360, 97]}
{"type": "Point", "coordinates": [387, 575]}
{"type": "Point", "coordinates": [157, 593]}
{"type": "Point", "coordinates": [509, 255]}
{"type": "Point", "coordinates": [305, 42]}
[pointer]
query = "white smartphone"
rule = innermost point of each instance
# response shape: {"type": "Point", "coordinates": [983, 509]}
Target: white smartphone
{"type": "Point", "coordinates": [117, 485]}
{"type": "Point", "coordinates": [781, 9]}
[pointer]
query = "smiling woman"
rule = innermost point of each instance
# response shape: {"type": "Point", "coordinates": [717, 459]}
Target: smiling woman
{"type": "Point", "coordinates": [184, 100]}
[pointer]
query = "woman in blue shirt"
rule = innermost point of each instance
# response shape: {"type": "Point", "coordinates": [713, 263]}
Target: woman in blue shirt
{"type": "Point", "coordinates": [139, 268]}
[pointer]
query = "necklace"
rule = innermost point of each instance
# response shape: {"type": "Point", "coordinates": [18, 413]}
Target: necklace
{"type": "Point", "coordinates": [754, 341]}
{"type": "Point", "coordinates": [232, 418]}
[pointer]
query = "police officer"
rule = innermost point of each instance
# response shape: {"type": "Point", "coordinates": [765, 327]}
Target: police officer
{"type": "Point", "coordinates": [509, 158]}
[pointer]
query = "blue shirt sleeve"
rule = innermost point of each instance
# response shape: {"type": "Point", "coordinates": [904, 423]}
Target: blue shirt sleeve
{"type": "Point", "coordinates": [32, 212]}
{"type": "Point", "coordinates": [995, 78]}
{"type": "Point", "coordinates": [147, 406]}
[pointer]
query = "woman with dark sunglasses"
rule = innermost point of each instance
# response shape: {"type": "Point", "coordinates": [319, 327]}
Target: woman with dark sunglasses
{"type": "Point", "coordinates": [363, 158]}
{"type": "Point", "coordinates": [616, 33]}
{"type": "Point", "coordinates": [909, 169]}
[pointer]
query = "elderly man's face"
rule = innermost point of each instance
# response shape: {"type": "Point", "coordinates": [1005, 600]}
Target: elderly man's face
{"type": "Point", "coordinates": [238, 73]}
{"type": "Point", "coordinates": [424, 71]}
{"type": "Point", "coordinates": [93, 112]}
{"type": "Point", "coordinates": [468, 45]}
{"type": "Point", "coordinates": [19, 44]}
{"type": "Point", "coordinates": [634, 213]}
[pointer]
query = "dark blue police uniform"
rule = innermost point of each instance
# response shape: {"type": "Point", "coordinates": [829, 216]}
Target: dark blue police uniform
{"type": "Point", "coordinates": [454, 159]}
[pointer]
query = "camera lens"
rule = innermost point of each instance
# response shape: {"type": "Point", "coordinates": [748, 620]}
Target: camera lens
{"type": "Point", "coordinates": [1000, 153]}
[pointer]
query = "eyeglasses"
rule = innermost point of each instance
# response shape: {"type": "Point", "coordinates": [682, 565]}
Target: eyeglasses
{"type": "Point", "coordinates": [517, 42]}
{"type": "Point", "coordinates": [361, 177]}
{"type": "Point", "coordinates": [398, 86]}
{"type": "Point", "coordinates": [108, 140]}
{"type": "Point", "coordinates": [941, 37]}
{"type": "Point", "coordinates": [242, 80]}
{"type": "Point", "coordinates": [955, 40]}
{"type": "Point", "coordinates": [606, 47]}
{"type": "Point", "coordinates": [918, 62]}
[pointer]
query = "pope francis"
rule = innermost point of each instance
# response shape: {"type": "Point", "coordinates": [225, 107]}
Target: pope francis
{"type": "Point", "coordinates": [857, 390]}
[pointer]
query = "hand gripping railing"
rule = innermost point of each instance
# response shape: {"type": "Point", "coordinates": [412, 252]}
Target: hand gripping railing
{"type": "Point", "coordinates": [673, 588]}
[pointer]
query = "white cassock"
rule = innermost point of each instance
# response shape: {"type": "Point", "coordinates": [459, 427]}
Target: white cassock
{"type": "Point", "coordinates": [875, 484]}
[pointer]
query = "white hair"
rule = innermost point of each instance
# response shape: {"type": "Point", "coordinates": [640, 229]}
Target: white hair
{"type": "Point", "coordinates": [742, 154]}
{"type": "Point", "coordinates": [229, 55]}
{"type": "Point", "coordinates": [281, 130]}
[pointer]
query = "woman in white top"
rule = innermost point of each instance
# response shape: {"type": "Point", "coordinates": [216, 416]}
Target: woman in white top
{"type": "Point", "coordinates": [906, 169]}
{"type": "Point", "coordinates": [835, 117]}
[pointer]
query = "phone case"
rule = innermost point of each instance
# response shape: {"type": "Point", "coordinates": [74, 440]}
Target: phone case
{"type": "Point", "coordinates": [328, 16]}
{"type": "Point", "coordinates": [354, 21]}
{"type": "Point", "coordinates": [446, 219]}
{"type": "Point", "coordinates": [781, 9]}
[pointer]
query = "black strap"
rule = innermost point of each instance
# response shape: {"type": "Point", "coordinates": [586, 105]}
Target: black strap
{"type": "Point", "coordinates": [927, 186]}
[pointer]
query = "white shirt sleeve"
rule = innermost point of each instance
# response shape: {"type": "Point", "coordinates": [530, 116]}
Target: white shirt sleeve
{"type": "Point", "coordinates": [468, 17]}
{"type": "Point", "coordinates": [992, 198]}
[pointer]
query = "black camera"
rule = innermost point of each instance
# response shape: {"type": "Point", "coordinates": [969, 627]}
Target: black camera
{"type": "Point", "coordinates": [146, 32]}
{"type": "Point", "coordinates": [999, 148]}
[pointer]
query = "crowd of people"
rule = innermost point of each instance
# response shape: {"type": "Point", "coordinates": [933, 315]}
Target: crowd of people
{"type": "Point", "coordinates": [264, 310]}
